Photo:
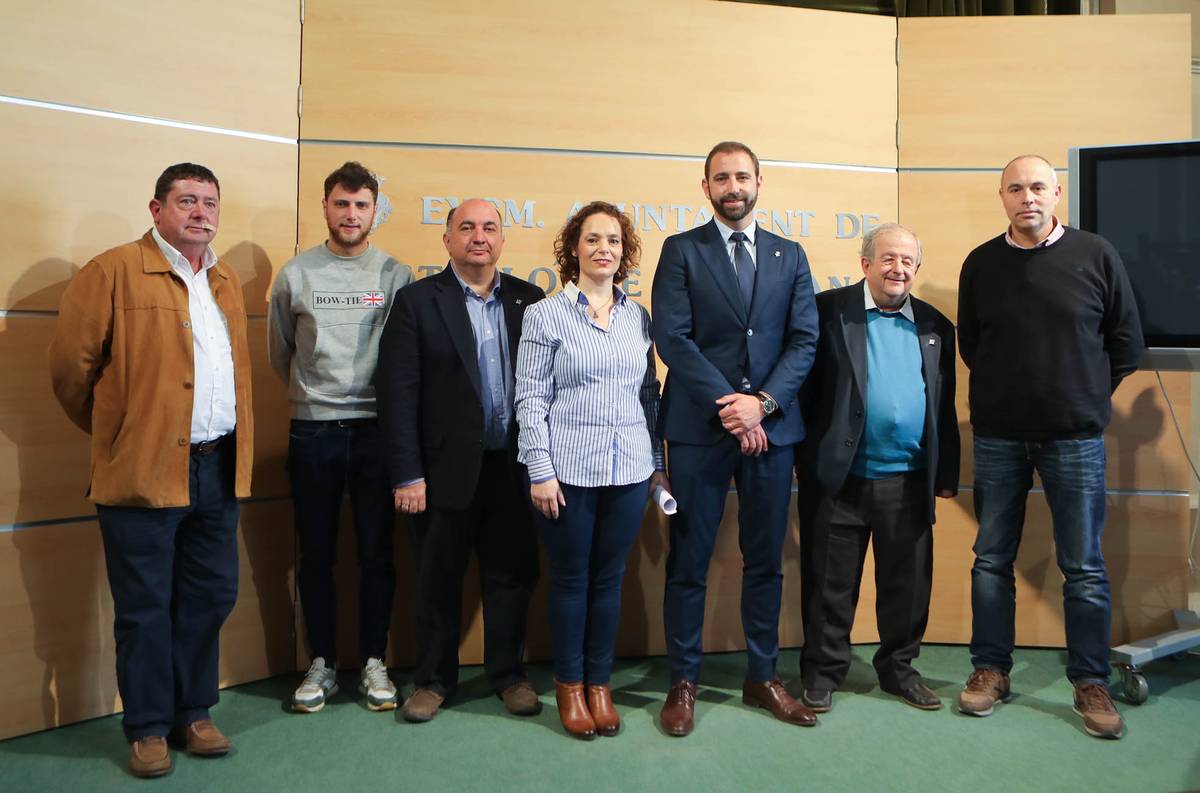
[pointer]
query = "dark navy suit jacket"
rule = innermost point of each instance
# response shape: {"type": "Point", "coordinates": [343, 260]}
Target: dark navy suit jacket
{"type": "Point", "coordinates": [709, 341]}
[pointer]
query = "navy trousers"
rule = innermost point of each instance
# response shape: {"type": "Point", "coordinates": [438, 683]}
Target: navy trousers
{"type": "Point", "coordinates": [587, 546]}
{"type": "Point", "coordinates": [173, 574]}
{"type": "Point", "coordinates": [700, 476]}
{"type": "Point", "coordinates": [325, 459]}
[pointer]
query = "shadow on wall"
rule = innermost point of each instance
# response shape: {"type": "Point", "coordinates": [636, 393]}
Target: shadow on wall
{"type": "Point", "coordinates": [62, 571]}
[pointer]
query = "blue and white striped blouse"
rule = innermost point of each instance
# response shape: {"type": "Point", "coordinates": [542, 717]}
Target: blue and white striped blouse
{"type": "Point", "coordinates": [586, 396]}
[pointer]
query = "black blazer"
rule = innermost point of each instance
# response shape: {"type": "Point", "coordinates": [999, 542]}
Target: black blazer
{"type": "Point", "coordinates": [427, 385]}
{"type": "Point", "coordinates": [834, 396]}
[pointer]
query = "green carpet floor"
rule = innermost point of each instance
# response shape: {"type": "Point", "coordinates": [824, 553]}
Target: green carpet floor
{"type": "Point", "coordinates": [869, 742]}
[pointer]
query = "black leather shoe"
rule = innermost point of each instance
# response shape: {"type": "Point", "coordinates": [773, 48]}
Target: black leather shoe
{"type": "Point", "coordinates": [819, 700]}
{"type": "Point", "coordinates": [919, 695]}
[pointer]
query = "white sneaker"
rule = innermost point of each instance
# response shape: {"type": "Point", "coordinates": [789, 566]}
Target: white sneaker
{"type": "Point", "coordinates": [376, 686]}
{"type": "Point", "coordinates": [320, 683]}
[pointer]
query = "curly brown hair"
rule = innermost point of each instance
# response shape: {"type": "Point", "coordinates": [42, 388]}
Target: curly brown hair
{"type": "Point", "coordinates": [568, 240]}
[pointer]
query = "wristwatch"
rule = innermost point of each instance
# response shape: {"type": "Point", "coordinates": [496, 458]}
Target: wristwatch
{"type": "Point", "coordinates": [769, 405]}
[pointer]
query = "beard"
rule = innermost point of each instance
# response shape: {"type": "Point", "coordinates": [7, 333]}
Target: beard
{"type": "Point", "coordinates": [349, 240]}
{"type": "Point", "coordinates": [735, 214]}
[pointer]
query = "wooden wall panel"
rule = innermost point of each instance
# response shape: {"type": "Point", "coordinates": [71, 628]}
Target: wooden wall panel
{"type": "Point", "coordinates": [539, 190]}
{"type": "Point", "coordinates": [224, 64]}
{"type": "Point", "coordinates": [44, 459]}
{"type": "Point", "coordinates": [679, 76]}
{"type": "Point", "coordinates": [59, 653]}
{"type": "Point", "coordinates": [974, 92]}
{"type": "Point", "coordinates": [95, 202]}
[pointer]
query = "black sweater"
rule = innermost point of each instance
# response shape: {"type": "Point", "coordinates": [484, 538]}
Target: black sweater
{"type": "Point", "coordinates": [1048, 334]}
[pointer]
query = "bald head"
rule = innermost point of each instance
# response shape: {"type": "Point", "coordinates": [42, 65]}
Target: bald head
{"type": "Point", "coordinates": [474, 237]}
{"type": "Point", "coordinates": [1036, 158]}
{"type": "Point", "coordinates": [1030, 191]}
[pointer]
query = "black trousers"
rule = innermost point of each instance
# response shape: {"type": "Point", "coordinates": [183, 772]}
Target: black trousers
{"type": "Point", "coordinates": [498, 527]}
{"type": "Point", "coordinates": [173, 574]}
{"type": "Point", "coordinates": [893, 513]}
{"type": "Point", "coordinates": [325, 458]}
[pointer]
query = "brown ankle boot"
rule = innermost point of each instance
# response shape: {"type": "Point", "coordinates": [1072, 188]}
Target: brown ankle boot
{"type": "Point", "coordinates": [573, 710]}
{"type": "Point", "coordinates": [599, 700]}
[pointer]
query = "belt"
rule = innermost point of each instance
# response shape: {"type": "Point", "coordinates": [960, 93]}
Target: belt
{"type": "Point", "coordinates": [208, 447]}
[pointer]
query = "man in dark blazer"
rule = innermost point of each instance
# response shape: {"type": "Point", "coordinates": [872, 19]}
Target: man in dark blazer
{"type": "Point", "coordinates": [735, 323]}
{"type": "Point", "coordinates": [882, 442]}
{"type": "Point", "coordinates": [445, 400]}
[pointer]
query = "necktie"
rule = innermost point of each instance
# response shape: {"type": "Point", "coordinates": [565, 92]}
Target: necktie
{"type": "Point", "coordinates": [744, 266]}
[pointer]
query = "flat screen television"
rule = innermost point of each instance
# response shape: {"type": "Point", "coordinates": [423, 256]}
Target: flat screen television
{"type": "Point", "coordinates": [1145, 200]}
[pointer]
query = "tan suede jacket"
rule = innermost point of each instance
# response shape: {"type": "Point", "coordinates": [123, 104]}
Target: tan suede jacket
{"type": "Point", "coordinates": [121, 366]}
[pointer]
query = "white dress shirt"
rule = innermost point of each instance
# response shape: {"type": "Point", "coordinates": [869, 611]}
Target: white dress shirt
{"type": "Point", "coordinates": [213, 397]}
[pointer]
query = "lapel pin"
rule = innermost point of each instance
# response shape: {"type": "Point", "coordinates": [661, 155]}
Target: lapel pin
{"type": "Point", "coordinates": [518, 302]}
{"type": "Point", "coordinates": [776, 253]}
{"type": "Point", "coordinates": [932, 342]}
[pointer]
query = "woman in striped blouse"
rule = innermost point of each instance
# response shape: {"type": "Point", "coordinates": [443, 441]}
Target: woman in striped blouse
{"type": "Point", "coordinates": [587, 406]}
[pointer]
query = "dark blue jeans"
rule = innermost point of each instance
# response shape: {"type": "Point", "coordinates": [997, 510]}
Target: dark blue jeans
{"type": "Point", "coordinates": [587, 546]}
{"type": "Point", "coordinates": [325, 458]}
{"type": "Point", "coordinates": [1072, 473]}
{"type": "Point", "coordinates": [173, 573]}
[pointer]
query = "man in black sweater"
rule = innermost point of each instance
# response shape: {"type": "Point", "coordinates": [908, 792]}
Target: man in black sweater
{"type": "Point", "coordinates": [1048, 326]}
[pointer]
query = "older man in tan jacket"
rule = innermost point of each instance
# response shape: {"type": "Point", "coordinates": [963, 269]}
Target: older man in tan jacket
{"type": "Point", "coordinates": [150, 358]}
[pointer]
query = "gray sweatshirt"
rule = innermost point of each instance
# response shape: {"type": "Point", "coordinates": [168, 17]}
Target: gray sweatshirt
{"type": "Point", "coordinates": [324, 319]}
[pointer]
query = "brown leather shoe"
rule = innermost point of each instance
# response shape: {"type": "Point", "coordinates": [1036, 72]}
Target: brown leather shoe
{"type": "Point", "coordinates": [678, 713]}
{"type": "Point", "coordinates": [985, 688]}
{"type": "Point", "coordinates": [520, 699]}
{"type": "Point", "coordinates": [573, 710]}
{"type": "Point", "coordinates": [772, 696]}
{"type": "Point", "coordinates": [422, 706]}
{"type": "Point", "coordinates": [203, 738]}
{"type": "Point", "coordinates": [148, 757]}
{"type": "Point", "coordinates": [599, 701]}
{"type": "Point", "coordinates": [1100, 716]}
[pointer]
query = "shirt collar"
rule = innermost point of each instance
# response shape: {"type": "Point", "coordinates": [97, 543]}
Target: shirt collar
{"type": "Point", "coordinates": [468, 291]}
{"type": "Point", "coordinates": [905, 310]}
{"type": "Point", "coordinates": [177, 259]}
{"type": "Point", "coordinates": [1054, 236]}
{"type": "Point", "coordinates": [726, 231]}
{"type": "Point", "coordinates": [575, 295]}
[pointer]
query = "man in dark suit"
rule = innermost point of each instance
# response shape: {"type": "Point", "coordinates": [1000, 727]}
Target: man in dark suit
{"type": "Point", "coordinates": [445, 401]}
{"type": "Point", "coordinates": [735, 323]}
{"type": "Point", "coordinates": [882, 442]}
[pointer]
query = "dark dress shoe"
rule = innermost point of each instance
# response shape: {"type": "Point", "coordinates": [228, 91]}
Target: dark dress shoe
{"type": "Point", "coordinates": [573, 710]}
{"type": "Point", "coordinates": [521, 699]}
{"type": "Point", "coordinates": [819, 700]}
{"type": "Point", "coordinates": [599, 701]}
{"type": "Point", "coordinates": [772, 696]}
{"type": "Point", "coordinates": [919, 696]}
{"type": "Point", "coordinates": [678, 713]}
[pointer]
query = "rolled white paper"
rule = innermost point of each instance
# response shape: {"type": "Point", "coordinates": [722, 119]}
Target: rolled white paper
{"type": "Point", "coordinates": [665, 501]}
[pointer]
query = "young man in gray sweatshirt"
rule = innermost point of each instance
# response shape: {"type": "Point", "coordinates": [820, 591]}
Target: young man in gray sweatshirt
{"type": "Point", "coordinates": [326, 313]}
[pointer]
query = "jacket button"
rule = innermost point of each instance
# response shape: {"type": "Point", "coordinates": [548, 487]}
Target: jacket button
{"type": "Point", "coordinates": [849, 442]}
{"type": "Point", "coordinates": [183, 441]}
{"type": "Point", "coordinates": [187, 386]}
{"type": "Point", "coordinates": [750, 331]}
{"type": "Point", "coordinates": [858, 413]}
{"type": "Point", "coordinates": [186, 324]}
